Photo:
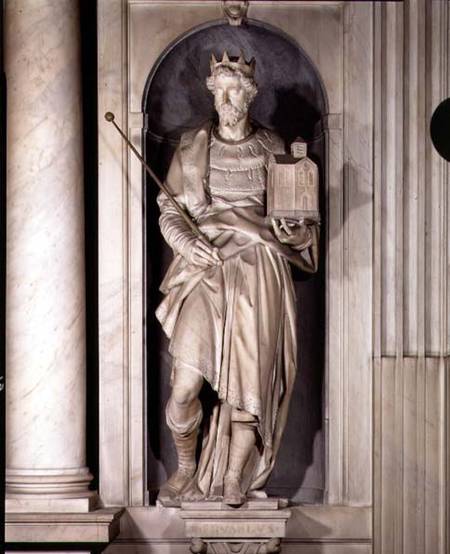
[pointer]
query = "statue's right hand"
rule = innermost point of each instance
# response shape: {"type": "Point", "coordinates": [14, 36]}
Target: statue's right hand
{"type": "Point", "coordinates": [203, 254]}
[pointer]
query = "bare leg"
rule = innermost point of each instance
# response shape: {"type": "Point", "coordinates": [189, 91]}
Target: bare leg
{"type": "Point", "coordinates": [242, 443]}
{"type": "Point", "coordinates": [184, 414]}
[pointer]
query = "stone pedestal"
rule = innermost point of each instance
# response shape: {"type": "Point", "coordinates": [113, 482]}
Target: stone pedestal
{"type": "Point", "coordinates": [100, 526]}
{"type": "Point", "coordinates": [257, 527]}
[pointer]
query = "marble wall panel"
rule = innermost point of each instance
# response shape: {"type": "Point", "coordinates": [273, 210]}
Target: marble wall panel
{"type": "Point", "coordinates": [297, 18]}
{"type": "Point", "coordinates": [137, 410]}
{"type": "Point", "coordinates": [388, 177]}
{"type": "Point", "coordinates": [152, 27]}
{"type": "Point", "coordinates": [411, 457]}
{"type": "Point", "coordinates": [411, 181]}
{"type": "Point", "coordinates": [437, 203]}
{"type": "Point", "coordinates": [113, 260]}
{"type": "Point", "coordinates": [357, 252]}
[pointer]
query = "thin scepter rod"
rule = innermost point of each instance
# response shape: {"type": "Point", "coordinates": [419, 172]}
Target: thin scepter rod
{"type": "Point", "coordinates": [109, 116]}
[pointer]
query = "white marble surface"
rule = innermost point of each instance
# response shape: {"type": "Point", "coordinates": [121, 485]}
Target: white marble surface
{"type": "Point", "coordinates": [311, 529]}
{"type": "Point", "coordinates": [45, 313]}
{"type": "Point", "coordinates": [411, 285]}
{"type": "Point", "coordinates": [51, 552]}
{"type": "Point", "coordinates": [294, 547]}
{"type": "Point", "coordinates": [114, 222]}
{"type": "Point", "coordinates": [254, 520]}
{"type": "Point", "coordinates": [100, 526]}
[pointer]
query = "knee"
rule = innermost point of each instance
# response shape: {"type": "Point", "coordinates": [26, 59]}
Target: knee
{"type": "Point", "coordinates": [183, 396]}
{"type": "Point", "coordinates": [183, 416]}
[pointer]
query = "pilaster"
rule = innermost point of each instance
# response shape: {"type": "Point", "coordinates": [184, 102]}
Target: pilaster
{"type": "Point", "coordinates": [411, 349]}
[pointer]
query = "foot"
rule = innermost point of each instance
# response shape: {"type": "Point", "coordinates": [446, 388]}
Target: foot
{"type": "Point", "coordinates": [178, 481]}
{"type": "Point", "coordinates": [232, 494]}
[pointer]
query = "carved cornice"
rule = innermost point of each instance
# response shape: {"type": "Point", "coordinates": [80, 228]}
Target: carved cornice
{"type": "Point", "coordinates": [199, 546]}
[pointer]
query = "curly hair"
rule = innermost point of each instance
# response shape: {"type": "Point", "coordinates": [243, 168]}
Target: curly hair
{"type": "Point", "coordinates": [248, 83]}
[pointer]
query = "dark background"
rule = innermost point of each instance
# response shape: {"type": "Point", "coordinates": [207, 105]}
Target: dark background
{"type": "Point", "coordinates": [2, 273]}
{"type": "Point", "coordinates": [88, 28]}
{"type": "Point", "coordinates": [440, 129]}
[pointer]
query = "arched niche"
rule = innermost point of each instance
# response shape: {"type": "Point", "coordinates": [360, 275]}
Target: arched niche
{"type": "Point", "coordinates": [292, 101]}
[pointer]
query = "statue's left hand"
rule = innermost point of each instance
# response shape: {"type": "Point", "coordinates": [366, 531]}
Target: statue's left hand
{"type": "Point", "coordinates": [294, 233]}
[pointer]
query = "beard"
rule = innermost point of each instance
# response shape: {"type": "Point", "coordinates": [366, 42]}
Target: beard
{"type": "Point", "coordinates": [229, 115]}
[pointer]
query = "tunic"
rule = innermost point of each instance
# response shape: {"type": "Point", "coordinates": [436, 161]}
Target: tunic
{"type": "Point", "coordinates": [235, 323]}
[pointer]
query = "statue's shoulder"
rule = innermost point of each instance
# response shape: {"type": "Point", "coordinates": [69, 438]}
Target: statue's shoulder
{"type": "Point", "coordinates": [271, 140]}
{"type": "Point", "coordinates": [188, 138]}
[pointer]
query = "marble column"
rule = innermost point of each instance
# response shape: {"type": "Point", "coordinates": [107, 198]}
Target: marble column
{"type": "Point", "coordinates": [45, 313]}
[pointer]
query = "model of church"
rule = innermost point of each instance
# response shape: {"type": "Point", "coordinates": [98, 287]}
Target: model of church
{"type": "Point", "coordinates": [293, 185]}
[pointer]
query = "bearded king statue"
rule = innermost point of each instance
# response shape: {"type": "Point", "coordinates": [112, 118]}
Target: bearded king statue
{"type": "Point", "coordinates": [229, 305]}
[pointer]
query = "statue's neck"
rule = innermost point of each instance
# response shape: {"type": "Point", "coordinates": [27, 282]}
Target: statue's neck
{"type": "Point", "coordinates": [240, 131]}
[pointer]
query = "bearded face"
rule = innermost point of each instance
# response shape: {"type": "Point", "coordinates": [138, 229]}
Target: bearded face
{"type": "Point", "coordinates": [230, 99]}
{"type": "Point", "coordinates": [229, 115]}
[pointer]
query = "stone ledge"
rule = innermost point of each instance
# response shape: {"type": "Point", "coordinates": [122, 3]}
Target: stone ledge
{"type": "Point", "coordinates": [312, 523]}
{"type": "Point", "coordinates": [99, 526]}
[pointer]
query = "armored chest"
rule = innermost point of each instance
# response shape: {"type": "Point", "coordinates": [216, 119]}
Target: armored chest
{"type": "Point", "coordinates": [237, 168]}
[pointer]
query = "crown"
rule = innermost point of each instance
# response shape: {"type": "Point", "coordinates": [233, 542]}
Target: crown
{"type": "Point", "coordinates": [235, 63]}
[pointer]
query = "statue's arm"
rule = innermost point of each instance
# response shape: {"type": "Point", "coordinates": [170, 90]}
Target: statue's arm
{"type": "Point", "coordinates": [174, 228]}
{"type": "Point", "coordinates": [303, 237]}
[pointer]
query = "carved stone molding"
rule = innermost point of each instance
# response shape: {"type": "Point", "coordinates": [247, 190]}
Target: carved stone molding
{"type": "Point", "coordinates": [235, 11]}
{"type": "Point", "coordinates": [257, 527]}
{"type": "Point", "coordinates": [199, 546]}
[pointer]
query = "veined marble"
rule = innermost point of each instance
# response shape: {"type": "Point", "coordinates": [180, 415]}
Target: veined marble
{"type": "Point", "coordinates": [45, 313]}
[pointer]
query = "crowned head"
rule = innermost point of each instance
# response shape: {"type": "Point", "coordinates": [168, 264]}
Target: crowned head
{"type": "Point", "coordinates": [238, 64]}
{"type": "Point", "coordinates": [233, 85]}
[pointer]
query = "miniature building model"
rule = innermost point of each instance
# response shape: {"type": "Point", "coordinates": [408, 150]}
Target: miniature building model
{"type": "Point", "coordinates": [293, 184]}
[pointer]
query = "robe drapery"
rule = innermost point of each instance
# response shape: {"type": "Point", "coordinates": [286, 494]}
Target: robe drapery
{"type": "Point", "coordinates": [234, 323]}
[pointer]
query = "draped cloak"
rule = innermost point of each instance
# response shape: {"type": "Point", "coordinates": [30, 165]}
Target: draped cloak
{"type": "Point", "coordinates": [235, 323]}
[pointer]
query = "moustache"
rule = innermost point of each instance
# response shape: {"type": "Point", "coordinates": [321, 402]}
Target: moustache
{"type": "Point", "coordinates": [228, 107]}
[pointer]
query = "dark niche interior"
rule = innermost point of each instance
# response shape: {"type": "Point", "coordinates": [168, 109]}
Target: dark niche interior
{"type": "Point", "coordinates": [290, 100]}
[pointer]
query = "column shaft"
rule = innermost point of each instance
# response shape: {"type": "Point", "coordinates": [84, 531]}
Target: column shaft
{"type": "Point", "coordinates": [45, 313]}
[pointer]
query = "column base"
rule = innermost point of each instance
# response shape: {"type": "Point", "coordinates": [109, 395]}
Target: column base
{"type": "Point", "coordinates": [99, 526]}
{"type": "Point", "coordinates": [83, 503]}
{"type": "Point", "coordinates": [51, 490]}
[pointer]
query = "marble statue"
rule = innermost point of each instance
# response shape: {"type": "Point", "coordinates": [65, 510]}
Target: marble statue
{"type": "Point", "coordinates": [229, 306]}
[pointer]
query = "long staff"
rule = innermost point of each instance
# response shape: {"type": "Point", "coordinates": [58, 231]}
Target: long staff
{"type": "Point", "coordinates": [109, 116]}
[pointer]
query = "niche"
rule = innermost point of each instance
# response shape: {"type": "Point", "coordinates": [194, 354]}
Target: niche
{"type": "Point", "coordinates": [292, 101]}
